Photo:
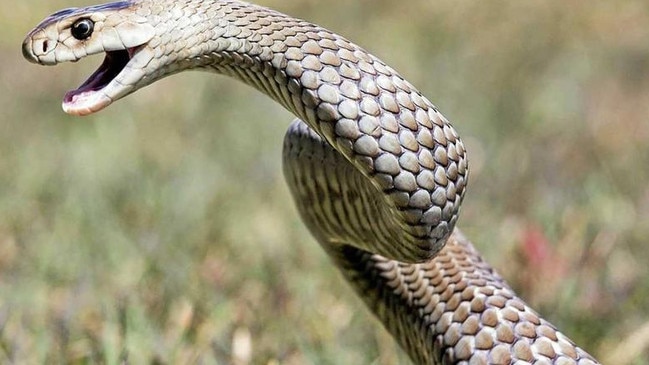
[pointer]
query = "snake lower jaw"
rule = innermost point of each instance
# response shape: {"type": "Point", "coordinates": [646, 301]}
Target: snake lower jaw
{"type": "Point", "coordinates": [86, 103]}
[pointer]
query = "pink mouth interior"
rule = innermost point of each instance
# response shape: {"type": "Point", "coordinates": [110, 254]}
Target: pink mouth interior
{"type": "Point", "coordinates": [113, 64]}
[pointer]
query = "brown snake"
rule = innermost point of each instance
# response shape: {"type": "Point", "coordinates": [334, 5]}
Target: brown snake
{"type": "Point", "coordinates": [377, 173]}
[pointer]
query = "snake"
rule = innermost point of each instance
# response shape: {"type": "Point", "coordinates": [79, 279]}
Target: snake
{"type": "Point", "coordinates": [377, 173]}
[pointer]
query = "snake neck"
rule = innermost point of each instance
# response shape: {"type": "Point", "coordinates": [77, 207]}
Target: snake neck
{"type": "Point", "coordinates": [364, 109]}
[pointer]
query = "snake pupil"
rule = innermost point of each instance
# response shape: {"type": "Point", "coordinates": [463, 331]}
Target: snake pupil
{"type": "Point", "coordinates": [82, 28]}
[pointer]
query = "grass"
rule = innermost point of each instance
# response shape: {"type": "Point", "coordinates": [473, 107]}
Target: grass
{"type": "Point", "coordinates": [161, 231]}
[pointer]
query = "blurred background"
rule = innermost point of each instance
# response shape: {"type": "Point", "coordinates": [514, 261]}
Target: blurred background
{"type": "Point", "coordinates": [161, 230]}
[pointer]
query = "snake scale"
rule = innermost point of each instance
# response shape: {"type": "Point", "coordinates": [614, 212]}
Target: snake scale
{"type": "Point", "coordinates": [377, 173]}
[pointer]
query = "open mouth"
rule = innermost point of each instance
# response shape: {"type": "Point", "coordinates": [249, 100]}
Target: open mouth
{"type": "Point", "coordinates": [88, 98]}
{"type": "Point", "coordinates": [113, 64]}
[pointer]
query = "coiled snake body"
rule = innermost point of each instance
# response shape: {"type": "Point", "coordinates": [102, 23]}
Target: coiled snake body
{"type": "Point", "coordinates": [377, 173]}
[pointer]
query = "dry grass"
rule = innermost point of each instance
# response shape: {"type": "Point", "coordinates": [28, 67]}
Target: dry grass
{"type": "Point", "coordinates": [161, 230]}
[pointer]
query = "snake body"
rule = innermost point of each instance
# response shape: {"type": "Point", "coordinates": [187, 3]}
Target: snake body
{"type": "Point", "coordinates": [377, 173]}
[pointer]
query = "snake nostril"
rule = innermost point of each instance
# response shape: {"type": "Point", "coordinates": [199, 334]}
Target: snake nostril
{"type": "Point", "coordinates": [45, 46]}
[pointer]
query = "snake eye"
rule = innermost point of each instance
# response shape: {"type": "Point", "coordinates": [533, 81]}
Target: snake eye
{"type": "Point", "coordinates": [82, 28]}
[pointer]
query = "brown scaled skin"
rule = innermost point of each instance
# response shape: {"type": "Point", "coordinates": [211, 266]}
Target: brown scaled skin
{"type": "Point", "coordinates": [377, 173]}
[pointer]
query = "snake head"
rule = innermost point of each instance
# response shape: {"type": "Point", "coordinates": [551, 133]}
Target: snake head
{"type": "Point", "coordinates": [72, 34]}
